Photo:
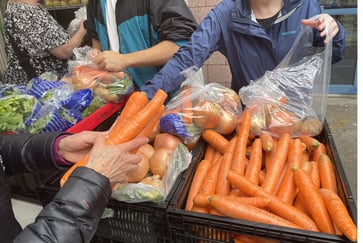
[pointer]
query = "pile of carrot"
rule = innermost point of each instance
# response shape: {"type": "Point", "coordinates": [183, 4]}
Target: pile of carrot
{"type": "Point", "coordinates": [281, 181]}
{"type": "Point", "coordinates": [137, 118]}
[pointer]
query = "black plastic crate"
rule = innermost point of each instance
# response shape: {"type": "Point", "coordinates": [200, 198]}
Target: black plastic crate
{"type": "Point", "coordinates": [131, 222]}
{"type": "Point", "coordinates": [187, 226]}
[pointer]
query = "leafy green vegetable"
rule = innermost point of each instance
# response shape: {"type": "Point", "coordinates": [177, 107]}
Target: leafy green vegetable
{"type": "Point", "coordinates": [14, 109]}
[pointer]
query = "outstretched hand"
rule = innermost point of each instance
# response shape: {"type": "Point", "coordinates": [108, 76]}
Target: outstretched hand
{"type": "Point", "coordinates": [114, 161]}
{"type": "Point", "coordinates": [325, 24]}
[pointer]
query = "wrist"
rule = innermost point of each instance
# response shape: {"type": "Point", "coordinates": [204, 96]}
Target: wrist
{"type": "Point", "coordinates": [57, 153]}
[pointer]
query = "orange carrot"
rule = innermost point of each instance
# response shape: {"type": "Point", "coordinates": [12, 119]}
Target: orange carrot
{"type": "Point", "coordinates": [313, 201]}
{"type": "Point", "coordinates": [269, 155]}
{"type": "Point", "coordinates": [209, 183]}
{"type": "Point", "coordinates": [209, 153]}
{"type": "Point", "coordinates": [235, 192]}
{"type": "Point", "coordinates": [300, 205]}
{"type": "Point", "coordinates": [217, 155]}
{"type": "Point", "coordinates": [314, 174]}
{"type": "Point", "coordinates": [201, 200]}
{"type": "Point", "coordinates": [248, 212]}
{"type": "Point", "coordinates": [127, 131]}
{"type": "Point", "coordinates": [267, 141]}
{"type": "Point", "coordinates": [223, 186]}
{"type": "Point", "coordinates": [198, 178]}
{"type": "Point", "coordinates": [239, 154]}
{"type": "Point", "coordinates": [339, 213]}
{"type": "Point", "coordinates": [287, 189]}
{"type": "Point", "coordinates": [276, 206]}
{"type": "Point", "coordinates": [279, 159]}
{"type": "Point", "coordinates": [261, 177]}
{"type": "Point", "coordinates": [254, 164]}
{"type": "Point", "coordinates": [199, 209]}
{"type": "Point", "coordinates": [326, 173]}
{"type": "Point", "coordinates": [311, 143]}
{"type": "Point", "coordinates": [154, 121]}
{"type": "Point", "coordinates": [215, 139]}
{"type": "Point", "coordinates": [135, 103]}
{"type": "Point", "coordinates": [134, 125]}
{"type": "Point", "coordinates": [315, 155]}
{"type": "Point", "coordinates": [305, 156]}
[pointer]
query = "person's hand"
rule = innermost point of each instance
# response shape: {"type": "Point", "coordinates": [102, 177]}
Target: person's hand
{"type": "Point", "coordinates": [114, 161]}
{"type": "Point", "coordinates": [111, 61]}
{"type": "Point", "coordinates": [74, 147]}
{"type": "Point", "coordinates": [323, 22]}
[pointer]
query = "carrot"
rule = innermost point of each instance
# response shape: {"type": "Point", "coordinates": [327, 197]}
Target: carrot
{"type": "Point", "coordinates": [300, 205]}
{"type": "Point", "coordinates": [209, 153]}
{"type": "Point", "coordinates": [154, 121]}
{"type": "Point", "coordinates": [241, 144]}
{"type": "Point", "coordinates": [187, 105]}
{"type": "Point", "coordinates": [244, 211]}
{"type": "Point", "coordinates": [198, 178]}
{"type": "Point", "coordinates": [135, 103]}
{"type": "Point", "coordinates": [315, 155]}
{"type": "Point", "coordinates": [314, 173]}
{"type": "Point", "coordinates": [326, 173]}
{"type": "Point", "coordinates": [267, 141]}
{"type": "Point", "coordinates": [254, 165]}
{"type": "Point", "coordinates": [235, 192]}
{"type": "Point", "coordinates": [313, 201]}
{"type": "Point", "coordinates": [215, 139]}
{"type": "Point", "coordinates": [311, 143]}
{"type": "Point", "coordinates": [214, 211]}
{"type": "Point", "coordinates": [268, 155]}
{"type": "Point", "coordinates": [134, 125]}
{"type": "Point", "coordinates": [209, 183]}
{"type": "Point", "coordinates": [305, 156]}
{"type": "Point", "coordinates": [201, 200]}
{"type": "Point", "coordinates": [217, 155]}
{"type": "Point", "coordinates": [279, 159]}
{"type": "Point", "coordinates": [223, 186]}
{"type": "Point", "coordinates": [261, 177]}
{"type": "Point", "coordinates": [127, 131]}
{"type": "Point", "coordinates": [276, 206]}
{"type": "Point", "coordinates": [339, 213]}
{"type": "Point", "coordinates": [287, 189]}
{"type": "Point", "coordinates": [199, 209]}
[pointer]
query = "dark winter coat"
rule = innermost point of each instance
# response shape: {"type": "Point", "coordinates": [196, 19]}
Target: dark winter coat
{"type": "Point", "coordinates": [75, 211]}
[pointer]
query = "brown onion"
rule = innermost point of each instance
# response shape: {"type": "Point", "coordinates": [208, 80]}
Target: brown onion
{"type": "Point", "coordinates": [166, 140]}
{"type": "Point", "coordinates": [160, 160]}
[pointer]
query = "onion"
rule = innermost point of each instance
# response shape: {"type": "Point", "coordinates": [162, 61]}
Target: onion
{"type": "Point", "coordinates": [227, 123]}
{"type": "Point", "coordinates": [166, 140]}
{"type": "Point", "coordinates": [206, 114]}
{"type": "Point", "coordinates": [146, 149]}
{"type": "Point", "coordinates": [160, 160]}
{"type": "Point", "coordinates": [141, 171]}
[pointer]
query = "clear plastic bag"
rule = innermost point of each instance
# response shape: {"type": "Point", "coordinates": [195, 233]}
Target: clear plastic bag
{"type": "Point", "coordinates": [80, 15]}
{"type": "Point", "coordinates": [196, 107]}
{"type": "Point", "coordinates": [140, 192]}
{"type": "Point", "coordinates": [292, 98]}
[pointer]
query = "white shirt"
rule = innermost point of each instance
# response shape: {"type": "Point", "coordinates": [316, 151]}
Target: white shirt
{"type": "Point", "coordinates": [111, 25]}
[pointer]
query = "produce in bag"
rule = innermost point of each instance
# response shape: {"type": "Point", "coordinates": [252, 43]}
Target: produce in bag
{"type": "Point", "coordinates": [292, 98]}
{"type": "Point", "coordinates": [196, 107]}
{"type": "Point", "coordinates": [14, 110]}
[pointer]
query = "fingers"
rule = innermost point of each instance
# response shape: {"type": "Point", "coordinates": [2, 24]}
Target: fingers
{"type": "Point", "coordinates": [134, 143]}
{"type": "Point", "coordinates": [325, 24]}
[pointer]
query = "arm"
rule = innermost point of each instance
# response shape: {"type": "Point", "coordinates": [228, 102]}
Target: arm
{"type": "Point", "coordinates": [74, 213]}
{"type": "Point", "coordinates": [65, 51]}
{"type": "Point", "coordinates": [28, 152]}
{"type": "Point", "coordinates": [156, 55]}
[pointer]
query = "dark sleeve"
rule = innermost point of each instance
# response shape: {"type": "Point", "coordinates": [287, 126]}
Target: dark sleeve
{"type": "Point", "coordinates": [75, 211]}
{"type": "Point", "coordinates": [172, 19]}
{"type": "Point", "coordinates": [28, 152]}
{"type": "Point", "coordinates": [89, 23]}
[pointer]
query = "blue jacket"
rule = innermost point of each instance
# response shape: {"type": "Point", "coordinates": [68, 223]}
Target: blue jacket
{"type": "Point", "coordinates": [250, 50]}
{"type": "Point", "coordinates": [142, 24]}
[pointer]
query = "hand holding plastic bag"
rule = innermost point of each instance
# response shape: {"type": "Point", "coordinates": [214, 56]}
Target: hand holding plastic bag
{"type": "Point", "coordinates": [292, 98]}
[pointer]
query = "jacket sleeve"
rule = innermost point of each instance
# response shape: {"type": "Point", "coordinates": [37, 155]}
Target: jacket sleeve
{"type": "Point", "coordinates": [204, 41]}
{"type": "Point", "coordinates": [172, 19]}
{"type": "Point", "coordinates": [28, 152]}
{"type": "Point", "coordinates": [75, 211]}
